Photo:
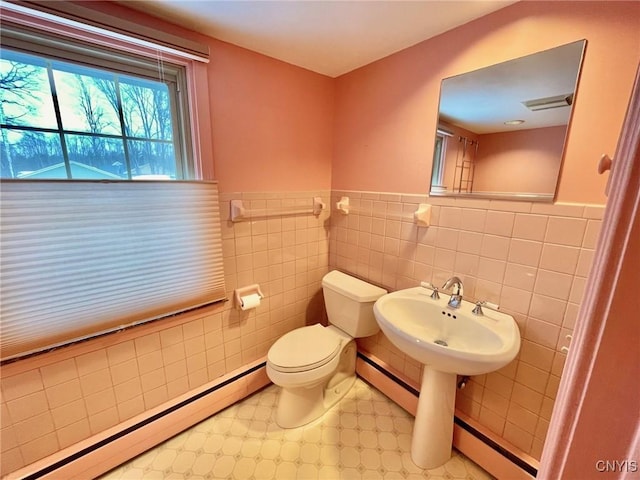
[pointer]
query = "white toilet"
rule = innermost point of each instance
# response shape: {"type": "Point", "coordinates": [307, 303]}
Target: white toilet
{"type": "Point", "coordinates": [315, 365]}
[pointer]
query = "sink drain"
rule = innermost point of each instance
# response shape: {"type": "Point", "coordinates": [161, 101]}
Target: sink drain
{"type": "Point", "coordinates": [441, 342]}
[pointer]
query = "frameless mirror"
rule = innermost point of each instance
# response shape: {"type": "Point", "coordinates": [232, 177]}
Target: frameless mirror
{"type": "Point", "coordinates": [502, 129]}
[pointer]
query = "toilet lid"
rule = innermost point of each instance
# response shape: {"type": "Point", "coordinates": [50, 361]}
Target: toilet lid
{"type": "Point", "coordinates": [303, 349]}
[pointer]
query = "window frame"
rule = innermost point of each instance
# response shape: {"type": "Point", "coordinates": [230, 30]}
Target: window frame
{"type": "Point", "coordinates": [93, 27]}
{"type": "Point", "coordinates": [56, 47]}
{"type": "Point", "coordinates": [439, 157]}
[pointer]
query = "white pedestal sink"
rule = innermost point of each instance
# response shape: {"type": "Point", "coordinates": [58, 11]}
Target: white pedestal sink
{"type": "Point", "coordinates": [448, 342]}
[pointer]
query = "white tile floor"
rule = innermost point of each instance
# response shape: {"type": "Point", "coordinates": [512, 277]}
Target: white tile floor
{"type": "Point", "coordinates": [365, 436]}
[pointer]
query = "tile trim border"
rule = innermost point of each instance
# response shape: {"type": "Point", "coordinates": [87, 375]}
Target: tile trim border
{"type": "Point", "coordinates": [555, 209]}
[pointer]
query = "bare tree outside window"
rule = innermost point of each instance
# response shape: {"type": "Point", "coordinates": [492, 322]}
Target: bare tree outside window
{"type": "Point", "coordinates": [17, 84]}
{"type": "Point", "coordinates": [61, 120]}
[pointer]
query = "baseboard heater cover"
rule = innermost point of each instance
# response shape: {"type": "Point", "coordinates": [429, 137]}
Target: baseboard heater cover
{"type": "Point", "coordinates": [530, 469]}
{"type": "Point", "coordinates": [81, 453]}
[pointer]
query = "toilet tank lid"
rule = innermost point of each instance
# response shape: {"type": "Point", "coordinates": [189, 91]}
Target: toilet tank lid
{"type": "Point", "coordinates": [352, 287]}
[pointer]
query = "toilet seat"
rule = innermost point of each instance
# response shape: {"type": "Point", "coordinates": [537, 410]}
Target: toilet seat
{"type": "Point", "coordinates": [304, 349]}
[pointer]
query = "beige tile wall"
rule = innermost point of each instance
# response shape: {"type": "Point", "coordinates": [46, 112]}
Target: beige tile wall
{"type": "Point", "coordinates": [53, 400]}
{"type": "Point", "coordinates": [531, 259]}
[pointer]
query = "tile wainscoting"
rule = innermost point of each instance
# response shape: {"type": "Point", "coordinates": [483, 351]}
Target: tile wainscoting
{"type": "Point", "coordinates": [56, 399]}
{"type": "Point", "coordinates": [530, 258]}
{"type": "Point", "coordinates": [533, 259]}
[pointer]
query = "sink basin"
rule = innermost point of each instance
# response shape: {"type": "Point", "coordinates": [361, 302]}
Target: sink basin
{"type": "Point", "coordinates": [449, 340]}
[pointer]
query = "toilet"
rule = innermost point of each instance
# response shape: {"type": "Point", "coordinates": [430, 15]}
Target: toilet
{"type": "Point", "coordinates": [315, 365]}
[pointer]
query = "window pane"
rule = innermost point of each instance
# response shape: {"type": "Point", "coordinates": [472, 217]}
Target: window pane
{"type": "Point", "coordinates": [146, 107]}
{"type": "Point", "coordinates": [25, 93]}
{"type": "Point", "coordinates": [87, 102]}
{"type": "Point", "coordinates": [89, 112]}
{"type": "Point", "coordinates": [30, 154]}
{"type": "Point", "coordinates": [438, 161]}
{"type": "Point", "coordinates": [152, 158]}
{"type": "Point", "coordinates": [93, 157]}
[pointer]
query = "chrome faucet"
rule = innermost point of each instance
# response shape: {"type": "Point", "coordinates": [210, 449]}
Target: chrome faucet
{"type": "Point", "coordinates": [456, 296]}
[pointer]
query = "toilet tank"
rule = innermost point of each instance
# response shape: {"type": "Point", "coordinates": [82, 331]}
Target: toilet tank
{"type": "Point", "coordinates": [349, 302]}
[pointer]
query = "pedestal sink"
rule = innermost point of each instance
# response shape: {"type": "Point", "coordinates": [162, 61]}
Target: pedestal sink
{"type": "Point", "coordinates": [448, 342]}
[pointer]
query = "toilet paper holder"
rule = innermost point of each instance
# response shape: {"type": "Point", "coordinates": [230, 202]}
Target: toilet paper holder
{"type": "Point", "coordinates": [239, 293]}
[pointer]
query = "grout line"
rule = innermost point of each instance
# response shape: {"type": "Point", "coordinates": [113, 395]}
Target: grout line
{"type": "Point", "coordinates": [54, 466]}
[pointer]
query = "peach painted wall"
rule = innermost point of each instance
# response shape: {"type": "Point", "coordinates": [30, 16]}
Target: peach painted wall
{"type": "Point", "coordinates": [519, 161]}
{"type": "Point", "coordinates": [599, 391]}
{"type": "Point", "coordinates": [271, 125]}
{"type": "Point", "coordinates": [386, 111]}
{"type": "Point", "coordinates": [268, 142]}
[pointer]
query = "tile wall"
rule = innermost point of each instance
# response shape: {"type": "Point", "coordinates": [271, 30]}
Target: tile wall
{"type": "Point", "coordinates": [54, 400]}
{"type": "Point", "coordinates": [532, 259]}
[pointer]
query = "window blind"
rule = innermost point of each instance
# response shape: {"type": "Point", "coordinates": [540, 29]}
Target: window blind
{"type": "Point", "coordinates": [82, 258]}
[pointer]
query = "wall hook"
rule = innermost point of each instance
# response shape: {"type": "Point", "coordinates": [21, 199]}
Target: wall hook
{"type": "Point", "coordinates": [604, 164]}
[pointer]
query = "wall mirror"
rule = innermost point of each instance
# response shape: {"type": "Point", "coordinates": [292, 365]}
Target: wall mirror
{"type": "Point", "coordinates": [502, 129]}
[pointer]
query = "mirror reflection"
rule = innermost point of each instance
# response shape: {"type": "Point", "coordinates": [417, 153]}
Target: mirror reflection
{"type": "Point", "coordinates": [502, 129]}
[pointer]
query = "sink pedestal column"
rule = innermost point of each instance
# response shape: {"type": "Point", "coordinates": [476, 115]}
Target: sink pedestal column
{"type": "Point", "coordinates": [433, 426]}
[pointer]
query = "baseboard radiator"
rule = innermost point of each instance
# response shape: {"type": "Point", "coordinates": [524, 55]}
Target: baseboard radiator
{"type": "Point", "coordinates": [496, 457]}
{"type": "Point", "coordinates": [101, 453]}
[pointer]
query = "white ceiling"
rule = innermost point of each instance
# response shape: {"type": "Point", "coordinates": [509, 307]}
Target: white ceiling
{"type": "Point", "coordinates": [329, 37]}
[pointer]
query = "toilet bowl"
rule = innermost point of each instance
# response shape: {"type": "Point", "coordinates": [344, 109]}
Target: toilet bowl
{"type": "Point", "coordinates": [315, 365]}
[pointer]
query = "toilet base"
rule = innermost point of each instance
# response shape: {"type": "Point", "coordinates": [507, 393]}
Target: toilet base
{"type": "Point", "coordinates": [299, 406]}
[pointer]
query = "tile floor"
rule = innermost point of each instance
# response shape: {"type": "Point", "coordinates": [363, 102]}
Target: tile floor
{"type": "Point", "coordinates": [365, 436]}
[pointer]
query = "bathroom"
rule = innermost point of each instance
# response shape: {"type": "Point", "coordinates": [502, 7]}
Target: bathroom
{"type": "Point", "coordinates": [281, 135]}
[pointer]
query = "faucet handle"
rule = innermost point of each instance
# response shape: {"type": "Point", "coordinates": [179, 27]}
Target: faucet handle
{"type": "Point", "coordinates": [477, 310]}
{"type": "Point", "coordinates": [434, 290]}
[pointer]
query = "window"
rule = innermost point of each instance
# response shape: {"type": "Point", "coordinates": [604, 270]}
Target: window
{"type": "Point", "coordinates": [99, 253]}
{"type": "Point", "coordinates": [439, 157]}
{"type": "Point", "coordinates": [78, 113]}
